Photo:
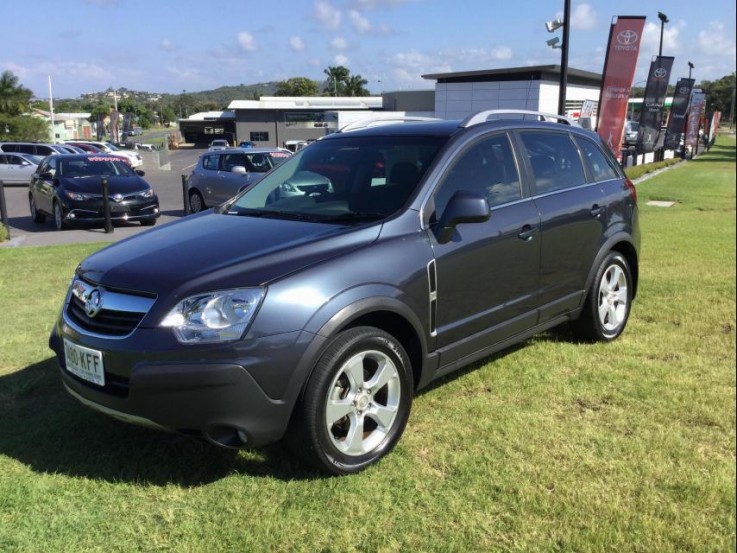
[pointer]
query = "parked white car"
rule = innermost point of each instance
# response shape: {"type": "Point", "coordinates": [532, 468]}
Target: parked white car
{"type": "Point", "coordinates": [134, 158]}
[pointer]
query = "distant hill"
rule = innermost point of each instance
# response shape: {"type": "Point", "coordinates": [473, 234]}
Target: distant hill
{"type": "Point", "coordinates": [226, 94]}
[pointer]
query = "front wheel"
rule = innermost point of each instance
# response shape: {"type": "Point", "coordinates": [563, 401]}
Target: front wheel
{"type": "Point", "coordinates": [608, 303]}
{"type": "Point", "coordinates": [59, 221]}
{"type": "Point", "coordinates": [148, 222]}
{"type": "Point", "coordinates": [356, 403]}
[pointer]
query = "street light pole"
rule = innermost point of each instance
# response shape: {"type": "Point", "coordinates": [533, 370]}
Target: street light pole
{"type": "Point", "coordinates": [690, 67]}
{"type": "Point", "coordinates": [663, 20]}
{"type": "Point", "coordinates": [564, 58]}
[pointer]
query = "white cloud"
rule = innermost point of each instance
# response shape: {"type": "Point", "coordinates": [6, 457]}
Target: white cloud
{"type": "Point", "coordinates": [247, 42]}
{"type": "Point", "coordinates": [359, 22]}
{"type": "Point", "coordinates": [166, 44]}
{"type": "Point", "coordinates": [296, 44]}
{"type": "Point", "coordinates": [327, 15]}
{"type": "Point", "coordinates": [340, 59]}
{"type": "Point", "coordinates": [714, 41]}
{"type": "Point", "coordinates": [583, 17]}
{"type": "Point", "coordinates": [651, 40]}
{"type": "Point", "coordinates": [338, 43]}
{"type": "Point", "coordinates": [502, 53]}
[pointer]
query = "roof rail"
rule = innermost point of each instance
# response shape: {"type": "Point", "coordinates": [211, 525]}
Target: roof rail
{"type": "Point", "coordinates": [378, 121]}
{"type": "Point", "coordinates": [483, 116]}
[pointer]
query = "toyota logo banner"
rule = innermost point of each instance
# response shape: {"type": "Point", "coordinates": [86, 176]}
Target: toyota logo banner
{"type": "Point", "coordinates": [623, 49]}
{"type": "Point", "coordinates": [677, 119]}
{"type": "Point", "coordinates": [651, 115]}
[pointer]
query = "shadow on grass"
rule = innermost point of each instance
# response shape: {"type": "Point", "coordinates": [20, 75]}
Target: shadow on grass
{"type": "Point", "coordinates": [718, 152]}
{"type": "Point", "coordinates": [42, 426]}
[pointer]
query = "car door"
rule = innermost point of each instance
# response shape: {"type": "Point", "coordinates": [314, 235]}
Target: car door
{"type": "Point", "coordinates": [487, 274]}
{"type": "Point", "coordinates": [573, 213]}
{"type": "Point", "coordinates": [42, 184]}
{"type": "Point", "coordinates": [228, 182]}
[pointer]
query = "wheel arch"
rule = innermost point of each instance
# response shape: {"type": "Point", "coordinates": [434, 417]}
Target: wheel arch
{"type": "Point", "coordinates": [623, 245]}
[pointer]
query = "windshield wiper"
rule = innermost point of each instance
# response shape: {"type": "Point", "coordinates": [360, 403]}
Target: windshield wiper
{"type": "Point", "coordinates": [289, 215]}
{"type": "Point", "coordinates": [354, 216]}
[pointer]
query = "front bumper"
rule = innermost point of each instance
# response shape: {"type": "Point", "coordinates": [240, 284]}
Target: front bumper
{"type": "Point", "coordinates": [93, 212]}
{"type": "Point", "coordinates": [232, 396]}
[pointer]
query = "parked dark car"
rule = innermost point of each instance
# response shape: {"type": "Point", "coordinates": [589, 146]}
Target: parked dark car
{"type": "Point", "coordinates": [317, 316]}
{"type": "Point", "coordinates": [68, 188]}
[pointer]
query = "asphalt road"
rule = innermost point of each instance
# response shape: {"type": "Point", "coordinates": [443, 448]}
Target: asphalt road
{"type": "Point", "coordinates": [166, 182]}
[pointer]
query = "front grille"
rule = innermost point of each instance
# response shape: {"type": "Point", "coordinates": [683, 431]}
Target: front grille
{"type": "Point", "coordinates": [117, 313]}
{"type": "Point", "coordinates": [108, 322]}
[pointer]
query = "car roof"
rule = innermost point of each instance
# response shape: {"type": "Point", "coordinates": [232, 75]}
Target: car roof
{"type": "Point", "coordinates": [263, 150]}
{"type": "Point", "coordinates": [87, 156]}
{"type": "Point", "coordinates": [438, 127]}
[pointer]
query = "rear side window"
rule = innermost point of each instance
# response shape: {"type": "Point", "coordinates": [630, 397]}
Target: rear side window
{"type": "Point", "coordinates": [598, 163]}
{"type": "Point", "coordinates": [554, 159]}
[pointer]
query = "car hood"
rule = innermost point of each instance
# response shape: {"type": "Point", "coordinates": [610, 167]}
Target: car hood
{"type": "Point", "coordinates": [210, 251]}
{"type": "Point", "coordinates": [116, 184]}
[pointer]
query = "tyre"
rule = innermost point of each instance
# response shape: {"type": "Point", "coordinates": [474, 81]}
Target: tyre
{"type": "Point", "coordinates": [356, 403]}
{"type": "Point", "coordinates": [608, 303]}
{"type": "Point", "coordinates": [59, 221]}
{"type": "Point", "coordinates": [196, 203]}
{"type": "Point", "coordinates": [151, 221]}
{"type": "Point", "coordinates": [35, 214]}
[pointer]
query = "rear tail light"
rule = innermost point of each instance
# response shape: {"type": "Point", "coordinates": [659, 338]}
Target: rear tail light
{"type": "Point", "coordinates": [631, 187]}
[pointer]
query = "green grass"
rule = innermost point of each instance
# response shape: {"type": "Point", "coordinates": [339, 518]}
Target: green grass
{"type": "Point", "coordinates": [550, 446]}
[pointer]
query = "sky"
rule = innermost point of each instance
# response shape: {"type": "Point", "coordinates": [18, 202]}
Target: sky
{"type": "Point", "coordinates": [172, 46]}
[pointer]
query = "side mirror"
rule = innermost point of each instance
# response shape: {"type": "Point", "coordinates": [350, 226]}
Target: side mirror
{"type": "Point", "coordinates": [463, 207]}
{"type": "Point", "coordinates": [140, 172]}
{"type": "Point", "coordinates": [47, 175]}
{"type": "Point", "coordinates": [238, 170]}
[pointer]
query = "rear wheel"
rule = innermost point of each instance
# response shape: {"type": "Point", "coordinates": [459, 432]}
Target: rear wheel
{"type": "Point", "coordinates": [35, 214]}
{"type": "Point", "coordinates": [356, 403]}
{"type": "Point", "coordinates": [196, 203]}
{"type": "Point", "coordinates": [608, 303]}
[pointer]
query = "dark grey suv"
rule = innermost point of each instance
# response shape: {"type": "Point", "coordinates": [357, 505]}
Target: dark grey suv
{"type": "Point", "coordinates": [413, 250]}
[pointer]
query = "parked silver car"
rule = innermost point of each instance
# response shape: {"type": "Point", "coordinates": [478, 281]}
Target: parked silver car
{"type": "Point", "coordinates": [220, 175]}
{"type": "Point", "coordinates": [17, 168]}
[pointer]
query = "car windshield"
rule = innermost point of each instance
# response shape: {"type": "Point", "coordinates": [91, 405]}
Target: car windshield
{"type": "Point", "coordinates": [94, 166]}
{"type": "Point", "coordinates": [346, 180]}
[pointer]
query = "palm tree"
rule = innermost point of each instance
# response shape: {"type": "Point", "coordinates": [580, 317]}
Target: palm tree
{"type": "Point", "coordinates": [14, 98]}
{"type": "Point", "coordinates": [337, 77]}
{"type": "Point", "coordinates": [355, 86]}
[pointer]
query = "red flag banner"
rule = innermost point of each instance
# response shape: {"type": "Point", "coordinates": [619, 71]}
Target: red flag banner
{"type": "Point", "coordinates": [714, 126]}
{"type": "Point", "coordinates": [698, 99]}
{"type": "Point", "coordinates": [623, 48]}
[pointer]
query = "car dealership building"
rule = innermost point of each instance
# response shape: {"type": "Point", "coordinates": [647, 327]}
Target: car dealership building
{"type": "Point", "coordinates": [281, 120]}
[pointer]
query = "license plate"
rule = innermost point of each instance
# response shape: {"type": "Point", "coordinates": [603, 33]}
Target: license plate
{"type": "Point", "coordinates": [84, 362]}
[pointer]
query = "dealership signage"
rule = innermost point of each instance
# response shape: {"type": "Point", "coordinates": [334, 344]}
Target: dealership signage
{"type": "Point", "coordinates": [651, 116]}
{"type": "Point", "coordinates": [623, 49]}
{"type": "Point", "coordinates": [678, 111]}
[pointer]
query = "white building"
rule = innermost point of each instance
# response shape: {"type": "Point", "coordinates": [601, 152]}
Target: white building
{"type": "Point", "coordinates": [535, 88]}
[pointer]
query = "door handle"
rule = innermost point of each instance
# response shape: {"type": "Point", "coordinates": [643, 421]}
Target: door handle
{"type": "Point", "coordinates": [527, 232]}
{"type": "Point", "coordinates": [596, 210]}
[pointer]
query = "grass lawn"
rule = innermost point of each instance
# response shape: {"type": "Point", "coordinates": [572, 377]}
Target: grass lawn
{"type": "Point", "coordinates": [550, 446]}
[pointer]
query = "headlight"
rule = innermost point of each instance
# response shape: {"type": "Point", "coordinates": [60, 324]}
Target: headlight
{"type": "Point", "coordinates": [221, 316]}
{"type": "Point", "coordinates": [147, 193]}
{"type": "Point", "coordinates": [80, 196]}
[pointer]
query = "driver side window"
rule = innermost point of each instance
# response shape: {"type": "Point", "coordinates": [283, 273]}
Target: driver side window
{"type": "Point", "coordinates": [487, 168]}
